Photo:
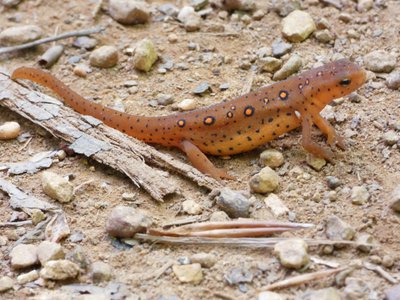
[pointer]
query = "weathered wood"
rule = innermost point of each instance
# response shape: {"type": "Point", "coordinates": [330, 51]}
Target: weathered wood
{"type": "Point", "coordinates": [142, 163]}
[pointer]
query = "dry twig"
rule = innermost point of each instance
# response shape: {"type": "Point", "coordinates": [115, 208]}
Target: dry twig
{"type": "Point", "coordinates": [61, 36]}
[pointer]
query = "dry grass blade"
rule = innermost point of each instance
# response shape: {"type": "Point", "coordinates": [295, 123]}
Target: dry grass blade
{"type": "Point", "coordinates": [244, 224]}
{"type": "Point", "coordinates": [301, 279]}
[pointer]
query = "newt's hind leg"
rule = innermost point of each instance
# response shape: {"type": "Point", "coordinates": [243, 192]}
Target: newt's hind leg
{"type": "Point", "coordinates": [311, 146]}
{"type": "Point", "coordinates": [200, 161]}
{"type": "Point", "coordinates": [332, 137]}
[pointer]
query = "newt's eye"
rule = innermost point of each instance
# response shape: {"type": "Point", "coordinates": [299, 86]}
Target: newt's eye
{"type": "Point", "coordinates": [345, 82]}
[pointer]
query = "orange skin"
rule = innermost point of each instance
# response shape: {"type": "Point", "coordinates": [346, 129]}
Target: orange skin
{"type": "Point", "coordinates": [234, 126]}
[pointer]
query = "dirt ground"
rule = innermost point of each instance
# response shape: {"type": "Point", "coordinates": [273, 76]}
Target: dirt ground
{"type": "Point", "coordinates": [363, 163]}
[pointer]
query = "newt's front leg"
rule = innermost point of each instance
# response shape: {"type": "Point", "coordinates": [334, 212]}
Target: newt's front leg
{"type": "Point", "coordinates": [332, 137]}
{"type": "Point", "coordinates": [311, 146]}
{"type": "Point", "coordinates": [200, 161]}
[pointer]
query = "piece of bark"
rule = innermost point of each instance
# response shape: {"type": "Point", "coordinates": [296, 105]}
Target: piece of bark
{"type": "Point", "coordinates": [90, 137]}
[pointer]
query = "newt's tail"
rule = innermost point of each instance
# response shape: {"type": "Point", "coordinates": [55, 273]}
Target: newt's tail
{"type": "Point", "coordinates": [136, 126]}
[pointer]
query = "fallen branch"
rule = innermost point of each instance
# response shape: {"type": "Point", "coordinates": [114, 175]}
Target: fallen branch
{"type": "Point", "coordinates": [16, 224]}
{"type": "Point", "coordinates": [61, 36]}
{"type": "Point", "coordinates": [301, 279]}
{"type": "Point", "coordinates": [88, 136]}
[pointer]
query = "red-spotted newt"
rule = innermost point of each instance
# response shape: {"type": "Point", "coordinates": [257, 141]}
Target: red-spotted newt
{"type": "Point", "coordinates": [234, 126]}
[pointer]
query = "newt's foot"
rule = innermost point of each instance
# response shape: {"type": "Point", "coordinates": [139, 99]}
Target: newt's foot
{"type": "Point", "coordinates": [336, 140]}
{"type": "Point", "coordinates": [219, 174]}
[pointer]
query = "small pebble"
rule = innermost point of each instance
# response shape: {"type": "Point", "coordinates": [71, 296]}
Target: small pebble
{"type": "Point", "coordinates": [324, 36]}
{"type": "Point", "coordinates": [315, 162]}
{"type": "Point", "coordinates": [190, 19]}
{"type": "Point", "coordinates": [292, 253]}
{"type": "Point", "coordinates": [47, 251]}
{"type": "Point", "coordinates": [333, 182]}
{"type": "Point", "coordinates": [356, 288]}
{"type": "Point", "coordinates": [271, 158]}
{"type": "Point", "coordinates": [125, 222]}
{"type": "Point", "coordinates": [206, 260]}
{"type": "Point", "coordinates": [85, 42]}
{"type": "Point", "coordinates": [172, 38]}
{"type": "Point", "coordinates": [323, 294]}
{"type": "Point", "coordinates": [59, 270]}
{"type": "Point", "coordinates": [191, 273]}
{"type": "Point", "coordinates": [198, 4]}
{"type": "Point", "coordinates": [345, 17]}
{"type": "Point", "coordinates": [387, 261]}
{"type": "Point", "coordinates": [276, 205]}
{"type": "Point", "coordinates": [104, 57]}
{"type": "Point", "coordinates": [57, 187]}
{"type": "Point", "coordinates": [359, 195]}
{"type": "Point", "coordinates": [224, 86]}
{"type": "Point", "coordinates": [293, 65]}
{"type": "Point", "coordinates": [265, 181]}
{"type": "Point", "coordinates": [280, 48]}
{"type": "Point", "coordinates": [393, 80]}
{"type": "Point", "coordinates": [169, 9]}
{"type": "Point", "coordinates": [129, 196]}
{"type": "Point", "coordinates": [391, 294]}
{"type": "Point", "coordinates": [380, 61]}
{"type": "Point", "coordinates": [364, 5]}
{"type": "Point", "coordinates": [233, 203]}
{"type": "Point", "coordinates": [187, 104]}
{"type": "Point", "coordinates": [391, 138]}
{"type": "Point", "coordinates": [100, 271]}
{"type": "Point", "coordinates": [238, 275]}
{"type": "Point", "coordinates": [365, 238]}
{"type": "Point", "coordinates": [145, 55]}
{"type": "Point", "coordinates": [191, 207]}
{"type": "Point", "coordinates": [219, 216]}
{"type": "Point", "coordinates": [285, 7]}
{"type": "Point", "coordinates": [129, 12]}
{"type": "Point", "coordinates": [270, 64]}
{"type": "Point", "coordinates": [20, 35]}
{"type": "Point", "coordinates": [395, 199]}
{"type": "Point", "coordinates": [337, 229]}
{"type": "Point", "coordinates": [28, 277]}
{"type": "Point", "coordinates": [9, 130]}
{"type": "Point", "coordinates": [6, 283]}
{"type": "Point", "coordinates": [258, 14]}
{"type": "Point", "coordinates": [297, 26]}
{"type": "Point", "coordinates": [23, 255]}
{"type": "Point", "coordinates": [269, 296]}
{"type": "Point", "coordinates": [82, 70]}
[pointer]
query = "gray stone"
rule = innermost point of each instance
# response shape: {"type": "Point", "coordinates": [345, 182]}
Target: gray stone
{"type": "Point", "coordinates": [57, 187]}
{"type": "Point", "coordinates": [380, 61]}
{"type": "Point", "coordinates": [85, 42]}
{"type": "Point", "coordinates": [285, 7]}
{"type": "Point", "coordinates": [125, 222]}
{"type": "Point", "coordinates": [100, 271]}
{"type": "Point", "coordinates": [333, 182]}
{"type": "Point", "coordinates": [202, 88]}
{"type": "Point", "coordinates": [59, 270]}
{"type": "Point", "coordinates": [169, 9]}
{"type": "Point", "coordinates": [324, 36]}
{"type": "Point", "coordinates": [265, 181]}
{"type": "Point", "coordinates": [392, 293]}
{"type": "Point", "coordinates": [145, 55]}
{"type": "Point", "coordinates": [364, 5]}
{"type": "Point", "coordinates": [293, 65]}
{"type": "Point", "coordinates": [359, 195]}
{"type": "Point", "coordinates": [190, 19]}
{"type": "Point", "coordinates": [238, 275]}
{"type": "Point", "coordinates": [49, 251]}
{"type": "Point", "coordinates": [104, 57]}
{"type": "Point", "coordinates": [280, 48]}
{"type": "Point", "coordinates": [297, 26]}
{"type": "Point", "coordinates": [23, 256]}
{"type": "Point", "coordinates": [337, 229]}
{"type": "Point", "coordinates": [191, 273]}
{"type": "Point", "coordinates": [233, 203]}
{"type": "Point", "coordinates": [6, 283]}
{"type": "Point", "coordinates": [292, 253]}
{"type": "Point", "coordinates": [393, 80]}
{"type": "Point", "coordinates": [129, 12]}
{"type": "Point", "coordinates": [365, 238]}
{"type": "Point", "coordinates": [19, 35]}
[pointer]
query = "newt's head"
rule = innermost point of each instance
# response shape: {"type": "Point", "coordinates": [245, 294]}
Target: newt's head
{"type": "Point", "coordinates": [331, 81]}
